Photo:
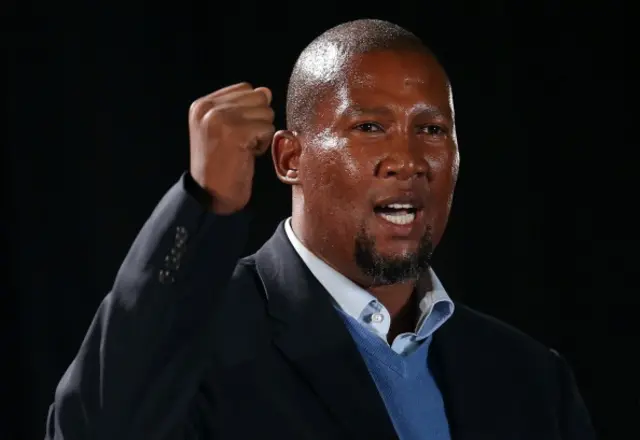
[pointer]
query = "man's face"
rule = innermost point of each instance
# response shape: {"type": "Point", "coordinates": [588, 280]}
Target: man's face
{"type": "Point", "coordinates": [379, 169]}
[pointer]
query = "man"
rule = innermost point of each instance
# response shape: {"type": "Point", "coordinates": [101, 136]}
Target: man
{"type": "Point", "coordinates": [337, 327]}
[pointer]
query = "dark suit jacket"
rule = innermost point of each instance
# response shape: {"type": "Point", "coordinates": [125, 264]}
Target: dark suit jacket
{"type": "Point", "coordinates": [193, 343]}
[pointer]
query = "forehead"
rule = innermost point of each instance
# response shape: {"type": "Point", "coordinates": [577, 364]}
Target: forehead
{"type": "Point", "coordinates": [395, 77]}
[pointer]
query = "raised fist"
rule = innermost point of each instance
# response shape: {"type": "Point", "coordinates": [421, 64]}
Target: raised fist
{"type": "Point", "coordinates": [228, 129]}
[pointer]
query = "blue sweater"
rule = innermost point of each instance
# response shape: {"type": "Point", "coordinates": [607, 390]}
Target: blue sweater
{"type": "Point", "coordinates": [406, 385]}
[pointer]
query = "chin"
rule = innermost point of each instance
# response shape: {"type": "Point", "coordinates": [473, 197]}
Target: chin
{"type": "Point", "coordinates": [392, 263]}
{"type": "Point", "coordinates": [396, 249]}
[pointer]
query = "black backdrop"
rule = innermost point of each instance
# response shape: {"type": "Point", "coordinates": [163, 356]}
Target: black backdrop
{"type": "Point", "coordinates": [541, 234]}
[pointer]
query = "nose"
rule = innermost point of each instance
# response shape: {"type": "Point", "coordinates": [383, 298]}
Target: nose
{"type": "Point", "coordinates": [403, 164]}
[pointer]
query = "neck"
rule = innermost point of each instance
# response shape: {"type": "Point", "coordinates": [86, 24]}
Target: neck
{"type": "Point", "coordinates": [399, 300]}
{"type": "Point", "coordinates": [404, 319]}
{"type": "Point", "coordinates": [395, 297]}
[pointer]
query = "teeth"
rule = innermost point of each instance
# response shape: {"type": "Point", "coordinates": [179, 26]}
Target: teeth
{"type": "Point", "coordinates": [400, 206]}
{"type": "Point", "coordinates": [399, 218]}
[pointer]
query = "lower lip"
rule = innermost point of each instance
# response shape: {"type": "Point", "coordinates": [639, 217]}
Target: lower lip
{"type": "Point", "coordinates": [400, 230]}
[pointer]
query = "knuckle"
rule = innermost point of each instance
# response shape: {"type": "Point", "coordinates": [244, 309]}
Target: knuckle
{"type": "Point", "coordinates": [214, 122]}
{"type": "Point", "coordinates": [198, 107]}
{"type": "Point", "coordinates": [195, 106]}
{"type": "Point", "coordinates": [215, 115]}
{"type": "Point", "coordinates": [210, 117]}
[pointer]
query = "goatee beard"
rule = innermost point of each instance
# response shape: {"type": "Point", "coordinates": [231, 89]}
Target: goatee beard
{"type": "Point", "coordinates": [384, 270]}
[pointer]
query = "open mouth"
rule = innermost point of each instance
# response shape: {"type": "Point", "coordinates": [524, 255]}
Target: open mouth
{"type": "Point", "coordinates": [397, 213]}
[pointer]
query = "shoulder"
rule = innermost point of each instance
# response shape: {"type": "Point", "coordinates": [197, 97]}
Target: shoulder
{"type": "Point", "coordinates": [245, 270]}
{"type": "Point", "coordinates": [497, 358]}
{"type": "Point", "coordinates": [496, 337]}
{"type": "Point", "coordinates": [241, 297]}
{"type": "Point", "coordinates": [497, 351]}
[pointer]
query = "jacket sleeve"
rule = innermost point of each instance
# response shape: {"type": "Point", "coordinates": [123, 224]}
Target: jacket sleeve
{"type": "Point", "coordinates": [574, 419]}
{"type": "Point", "coordinates": [140, 364]}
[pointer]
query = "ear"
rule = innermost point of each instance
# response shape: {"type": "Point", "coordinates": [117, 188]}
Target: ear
{"type": "Point", "coordinates": [285, 152]}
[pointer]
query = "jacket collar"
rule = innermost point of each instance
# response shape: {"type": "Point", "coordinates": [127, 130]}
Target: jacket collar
{"type": "Point", "coordinates": [312, 335]}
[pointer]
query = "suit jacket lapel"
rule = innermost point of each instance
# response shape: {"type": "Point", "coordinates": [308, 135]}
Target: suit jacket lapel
{"type": "Point", "coordinates": [311, 334]}
{"type": "Point", "coordinates": [463, 372]}
{"type": "Point", "coordinates": [444, 362]}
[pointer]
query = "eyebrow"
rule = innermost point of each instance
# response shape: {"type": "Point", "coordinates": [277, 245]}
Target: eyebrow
{"type": "Point", "coordinates": [357, 110]}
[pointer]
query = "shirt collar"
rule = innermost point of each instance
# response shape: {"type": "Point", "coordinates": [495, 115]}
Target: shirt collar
{"type": "Point", "coordinates": [435, 305]}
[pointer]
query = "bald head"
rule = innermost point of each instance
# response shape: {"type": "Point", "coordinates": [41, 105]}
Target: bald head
{"type": "Point", "coordinates": [322, 63]}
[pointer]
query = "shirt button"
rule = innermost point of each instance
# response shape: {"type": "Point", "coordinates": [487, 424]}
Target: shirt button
{"type": "Point", "coordinates": [377, 317]}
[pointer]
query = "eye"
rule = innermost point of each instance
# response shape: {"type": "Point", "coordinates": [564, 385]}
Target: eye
{"type": "Point", "coordinates": [434, 130]}
{"type": "Point", "coordinates": [369, 127]}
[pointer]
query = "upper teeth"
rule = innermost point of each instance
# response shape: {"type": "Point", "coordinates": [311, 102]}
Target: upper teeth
{"type": "Point", "coordinates": [400, 206]}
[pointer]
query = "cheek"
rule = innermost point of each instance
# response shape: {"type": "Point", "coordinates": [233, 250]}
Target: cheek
{"type": "Point", "coordinates": [444, 159]}
{"type": "Point", "coordinates": [444, 176]}
{"type": "Point", "coordinates": [332, 199]}
{"type": "Point", "coordinates": [331, 169]}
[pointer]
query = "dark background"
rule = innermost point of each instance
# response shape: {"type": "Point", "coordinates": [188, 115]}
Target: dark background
{"type": "Point", "coordinates": [541, 236]}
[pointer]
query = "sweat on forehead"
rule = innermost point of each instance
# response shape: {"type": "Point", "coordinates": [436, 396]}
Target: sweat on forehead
{"type": "Point", "coordinates": [322, 62]}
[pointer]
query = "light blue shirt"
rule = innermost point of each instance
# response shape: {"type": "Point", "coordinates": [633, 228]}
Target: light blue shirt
{"type": "Point", "coordinates": [435, 305]}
